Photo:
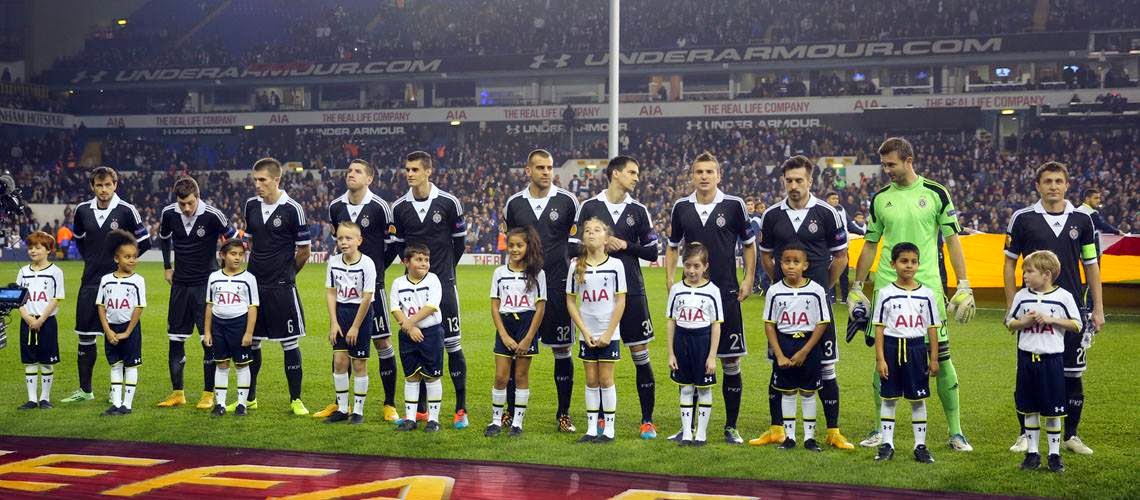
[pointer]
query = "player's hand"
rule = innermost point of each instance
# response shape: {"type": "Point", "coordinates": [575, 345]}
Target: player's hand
{"type": "Point", "coordinates": [350, 337]}
{"type": "Point", "coordinates": [208, 339]}
{"type": "Point", "coordinates": [932, 367]}
{"type": "Point", "coordinates": [961, 305]}
{"type": "Point", "coordinates": [783, 361]}
{"type": "Point", "coordinates": [416, 334]}
{"type": "Point", "coordinates": [407, 325]}
{"type": "Point", "coordinates": [588, 338]}
{"type": "Point", "coordinates": [509, 343]}
{"type": "Point", "coordinates": [523, 346]}
{"type": "Point", "coordinates": [247, 339]}
{"type": "Point", "coordinates": [881, 367]}
{"type": "Point", "coordinates": [124, 335]}
{"type": "Point", "coordinates": [615, 244]}
{"type": "Point", "coordinates": [856, 296]}
{"type": "Point", "coordinates": [604, 340]}
{"type": "Point", "coordinates": [799, 357]}
{"type": "Point", "coordinates": [110, 336]}
{"type": "Point", "coordinates": [169, 275]}
{"type": "Point", "coordinates": [710, 365]}
{"type": "Point", "coordinates": [745, 289]}
{"type": "Point", "coordinates": [1097, 319]}
{"type": "Point", "coordinates": [334, 332]}
{"type": "Point", "coordinates": [672, 361]}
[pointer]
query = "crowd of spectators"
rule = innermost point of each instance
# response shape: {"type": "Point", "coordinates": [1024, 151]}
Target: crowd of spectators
{"type": "Point", "coordinates": [482, 170]}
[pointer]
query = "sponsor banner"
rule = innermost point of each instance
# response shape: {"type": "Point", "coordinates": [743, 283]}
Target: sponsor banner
{"type": "Point", "coordinates": [558, 128]}
{"type": "Point", "coordinates": [725, 55]}
{"type": "Point", "coordinates": [352, 131]}
{"type": "Point", "coordinates": [792, 112]}
{"type": "Point", "coordinates": [198, 131]}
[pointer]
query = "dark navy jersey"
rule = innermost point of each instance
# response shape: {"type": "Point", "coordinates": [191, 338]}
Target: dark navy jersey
{"type": "Point", "coordinates": [718, 226]}
{"type": "Point", "coordinates": [437, 222]}
{"type": "Point", "coordinates": [552, 217]}
{"type": "Point", "coordinates": [1068, 234]}
{"type": "Point", "coordinates": [275, 231]}
{"type": "Point", "coordinates": [91, 227]}
{"type": "Point", "coordinates": [818, 227]}
{"type": "Point", "coordinates": [631, 222]}
{"type": "Point", "coordinates": [374, 217]}
{"type": "Point", "coordinates": [194, 241]}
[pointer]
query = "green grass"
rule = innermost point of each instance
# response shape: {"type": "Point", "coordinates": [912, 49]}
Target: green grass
{"type": "Point", "coordinates": [983, 353]}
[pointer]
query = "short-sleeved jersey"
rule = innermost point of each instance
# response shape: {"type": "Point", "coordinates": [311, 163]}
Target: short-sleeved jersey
{"type": "Point", "coordinates": [511, 289]}
{"type": "Point", "coordinates": [232, 296]}
{"type": "Point", "coordinates": [91, 227]}
{"type": "Point", "coordinates": [435, 222]}
{"type": "Point", "coordinates": [351, 281]}
{"type": "Point", "coordinates": [410, 297]}
{"type": "Point", "coordinates": [1044, 339]}
{"type": "Point", "coordinates": [718, 226]}
{"type": "Point", "coordinates": [905, 313]}
{"type": "Point", "coordinates": [921, 213]}
{"type": "Point", "coordinates": [44, 286]}
{"type": "Point", "coordinates": [818, 227]}
{"type": "Point", "coordinates": [695, 306]}
{"type": "Point", "coordinates": [630, 221]}
{"type": "Point", "coordinates": [276, 231]}
{"type": "Point", "coordinates": [796, 310]}
{"type": "Point", "coordinates": [194, 240]}
{"type": "Point", "coordinates": [1068, 234]}
{"type": "Point", "coordinates": [374, 217]}
{"type": "Point", "coordinates": [552, 217]}
{"type": "Point", "coordinates": [603, 283]}
{"type": "Point", "coordinates": [120, 296]}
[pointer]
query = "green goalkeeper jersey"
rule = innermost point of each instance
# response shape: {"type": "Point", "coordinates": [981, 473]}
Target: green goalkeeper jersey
{"type": "Point", "coordinates": [918, 213]}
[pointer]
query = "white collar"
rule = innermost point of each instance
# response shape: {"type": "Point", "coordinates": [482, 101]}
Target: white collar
{"type": "Point", "coordinates": [716, 199]}
{"type": "Point", "coordinates": [281, 199]}
{"type": "Point", "coordinates": [199, 211]}
{"type": "Point", "coordinates": [110, 206]}
{"type": "Point", "coordinates": [367, 197]}
{"type": "Point", "coordinates": [432, 193]}
{"type": "Point", "coordinates": [812, 201]}
{"type": "Point", "coordinates": [549, 194]}
{"type": "Point", "coordinates": [602, 196]}
{"type": "Point", "coordinates": [1039, 207]}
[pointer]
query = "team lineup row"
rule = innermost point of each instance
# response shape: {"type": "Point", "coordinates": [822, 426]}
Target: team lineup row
{"type": "Point", "coordinates": [606, 292]}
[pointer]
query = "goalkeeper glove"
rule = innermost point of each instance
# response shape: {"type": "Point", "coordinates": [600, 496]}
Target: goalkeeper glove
{"type": "Point", "coordinates": [1087, 332]}
{"type": "Point", "coordinates": [962, 306]}
{"type": "Point", "coordinates": [856, 297]}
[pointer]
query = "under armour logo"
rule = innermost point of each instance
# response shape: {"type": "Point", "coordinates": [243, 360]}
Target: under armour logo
{"type": "Point", "coordinates": [690, 125]}
{"type": "Point", "coordinates": [560, 62]}
{"type": "Point", "coordinates": [514, 129]}
{"type": "Point", "coordinates": [95, 78]}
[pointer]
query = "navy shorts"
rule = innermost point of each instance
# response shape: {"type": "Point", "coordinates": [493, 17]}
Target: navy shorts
{"type": "Point", "coordinates": [40, 346]}
{"type": "Point", "coordinates": [517, 325]}
{"type": "Point", "coordinates": [227, 334]}
{"type": "Point", "coordinates": [732, 344]}
{"type": "Point", "coordinates": [129, 350]}
{"type": "Point", "coordinates": [425, 357]}
{"type": "Point", "coordinates": [86, 312]}
{"type": "Point", "coordinates": [608, 354]}
{"type": "Point", "coordinates": [1074, 358]}
{"type": "Point", "coordinates": [805, 377]}
{"type": "Point", "coordinates": [187, 309]}
{"type": "Point", "coordinates": [449, 309]}
{"type": "Point", "coordinates": [907, 363]}
{"type": "Point", "coordinates": [555, 330]}
{"type": "Point", "coordinates": [280, 317]}
{"type": "Point", "coordinates": [1040, 384]}
{"type": "Point", "coordinates": [691, 347]}
{"type": "Point", "coordinates": [381, 329]}
{"type": "Point", "coordinates": [636, 326]}
{"type": "Point", "coordinates": [345, 315]}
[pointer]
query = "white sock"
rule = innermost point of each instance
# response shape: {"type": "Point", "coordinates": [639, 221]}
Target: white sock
{"type": "Point", "coordinates": [687, 412]}
{"type": "Point", "coordinates": [243, 379]}
{"type": "Point", "coordinates": [788, 405]}
{"type": "Point", "coordinates": [1033, 431]}
{"type": "Point", "coordinates": [609, 408]}
{"type": "Point", "coordinates": [918, 421]}
{"type": "Point", "coordinates": [704, 411]}
{"type": "Point", "coordinates": [340, 384]}
{"type": "Point", "coordinates": [435, 399]}
{"type": "Point", "coordinates": [47, 374]}
{"type": "Point", "coordinates": [498, 401]}
{"type": "Point", "coordinates": [887, 417]}
{"type": "Point", "coordinates": [522, 396]}
{"type": "Point", "coordinates": [221, 384]}
{"type": "Point", "coordinates": [31, 373]}
{"type": "Point", "coordinates": [1053, 432]}
{"type": "Point", "coordinates": [809, 405]}
{"type": "Point", "coordinates": [593, 405]}
{"type": "Point", "coordinates": [411, 399]}
{"type": "Point", "coordinates": [117, 385]}
{"type": "Point", "coordinates": [130, 381]}
{"type": "Point", "coordinates": [359, 392]}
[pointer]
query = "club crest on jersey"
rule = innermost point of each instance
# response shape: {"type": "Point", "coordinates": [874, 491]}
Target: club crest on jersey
{"type": "Point", "coordinates": [813, 227]}
{"type": "Point", "coordinates": [277, 221]}
{"type": "Point", "coordinates": [364, 222]}
{"type": "Point", "coordinates": [553, 214]}
{"type": "Point", "coordinates": [436, 218]}
{"type": "Point", "coordinates": [200, 232]}
{"type": "Point", "coordinates": [720, 220]}
{"type": "Point", "coordinates": [629, 220]}
{"type": "Point", "coordinates": [115, 224]}
{"type": "Point", "coordinates": [1073, 233]}
{"type": "Point", "coordinates": [922, 203]}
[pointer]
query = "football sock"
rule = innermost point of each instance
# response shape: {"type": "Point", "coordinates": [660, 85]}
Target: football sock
{"type": "Point", "coordinates": [1033, 431]}
{"type": "Point", "coordinates": [176, 358]}
{"type": "Point", "coordinates": [887, 419]}
{"type": "Point", "coordinates": [457, 364]}
{"type": "Point", "coordinates": [359, 392]}
{"type": "Point", "coordinates": [340, 385]}
{"type": "Point", "coordinates": [31, 376]}
{"type": "Point", "coordinates": [254, 369]}
{"type": "Point", "coordinates": [563, 380]}
{"type": "Point", "coordinates": [948, 394]}
{"type": "Point", "coordinates": [646, 386]}
{"type": "Point", "coordinates": [704, 411]}
{"type": "Point", "coordinates": [498, 401]}
{"type": "Point", "coordinates": [775, 408]}
{"type": "Point", "coordinates": [387, 357]}
{"type": "Point", "coordinates": [221, 384]}
{"type": "Point", "coordinates": [687, 392]}
{"type": "Point", "coordinates": [435, 398]}
{"type": "Point", "coordinates": [86, 361]}
{"type": "Point", "coordinates": [117, 385]}
{"type": "Point", "coordinates": [1075, 393]}
{"type": "Point", "coordinates": [1053, 432]}
{"type": "Point", "coordinates": [809, 406]}
{"type": "Point", "coordinates": [593, 404]}
{"type": "Point", "coordinates": [243, 383]}
{"type": "Point", "coordinates": [130, 382]}
{"type": "Point", "coordinates": [918, 421]}
{"type": "Point", "coordinates": [208, 365]}
{"type": "Point", "coordinates": [293, 369]}
{"type": "Point", "coordinates": [788, 410]}
{"type": "Point", "coordinates": [609, 408]}
{"type": "Point", "coordinates": [522, 396]}
{"type": "Point", "coordinates": [829, 396]}
{"type": "Point", "coordinates": [732, 390]}
{"type": "Point", "coordinates": [47, 374]}
{"type": "Point", "coordinates": [411, 398]}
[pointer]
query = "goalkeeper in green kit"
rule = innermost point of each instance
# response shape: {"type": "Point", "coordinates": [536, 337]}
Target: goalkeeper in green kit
{"type": "Point", "coordinates": [916, 210]}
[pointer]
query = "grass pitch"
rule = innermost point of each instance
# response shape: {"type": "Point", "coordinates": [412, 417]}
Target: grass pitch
{"type": "Point", "coordinates": [983, 352]}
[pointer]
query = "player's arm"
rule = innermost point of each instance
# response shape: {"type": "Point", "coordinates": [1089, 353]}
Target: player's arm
{"type": "Point", "coordinates": [838, 267]}
{"type": "Point", "coordinates": [535, 322]}
{"type": "Point", "coordinates": [676, 236]}
{"type": "Point", "coordinates": [1009, 279]}
{"type": "Point", "coordinates": [749, 272]}
{"type": "Point", "coordinates": [79, 234]}
{"type": "Point", "coordinates": [208, 325]}
{"type": "Point", "coordinates": [615, 320]}
{"type": "Point", "coordinates": [250, 323]}
{"type": "Point", "coordinates": [500, 328]}
{"type": "Point", "coordinates": [957, 259]}
{"type": "Point", "coordinates": [136, 313]}
{"type": "Point", "coordinates": [714, 346]}
{"type": "Point", "coordinates": [108, 333]}
{"type": "Point", "coordinates": [773, 344]}
{"type": "Point", "coordinates": [932, 348]}
{"type": "Point", "coordinates": [576, 317]}
{"type": "Point", "coordinates": [1092, 277]}
{"type": "Point", "coordinates": [768, 264]}
{"type": "Point", "coordinates": [142, 234]}
{"type": "Point", "coordinates": [302, 240]}
{"type": "Point", "coordinates": [458, 234]}
{"type": "Point", "coordinates": [670, 265]}
{"type": "Point", "coordinates": [670, 332]}
{"type": "Point", "coordinates": [52, 305]}
{"type": "Point", "coordinates": [301, 256]}
{"type": "Point", "coordinates": [330, 303]}
{"type": "Point", "coordinates": [361, 313]}
{"type": "Point", "coordinates": [880, 357]}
